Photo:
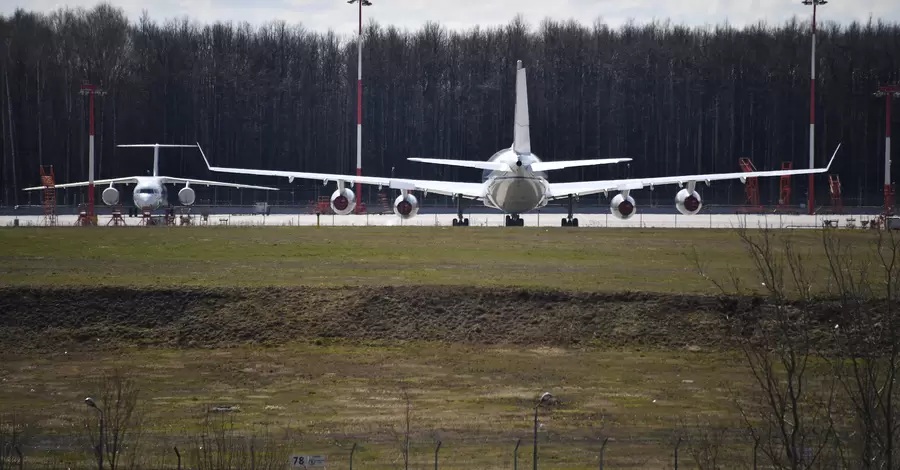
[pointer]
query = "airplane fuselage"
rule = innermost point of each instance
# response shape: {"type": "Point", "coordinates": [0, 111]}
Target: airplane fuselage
{"type": "Point", "coordinates": [518, 191]}
{"type": "Point", "coordinates": [150, 192]}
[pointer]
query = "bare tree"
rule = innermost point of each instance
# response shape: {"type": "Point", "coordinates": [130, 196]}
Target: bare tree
{"type": "Point", "coordinates": [866, 359]}
{"type": "Point", "coordinates": [790, 413]}
{"type": "Point", "coordinates": [113, 422]}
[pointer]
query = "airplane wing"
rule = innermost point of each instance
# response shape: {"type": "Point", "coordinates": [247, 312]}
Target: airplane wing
{"type": "Point", "coordinates": [447, 188]}
{"type": "Point", "coordinates": [124, 180]}
{"type": "Point", "coordinates": [171, 180]}
{"type": "Point", "coordinates": [582, 188]}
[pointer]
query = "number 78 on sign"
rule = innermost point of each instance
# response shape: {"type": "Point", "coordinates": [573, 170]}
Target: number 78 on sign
{"type": "Point", "coordinates": [304, 461]}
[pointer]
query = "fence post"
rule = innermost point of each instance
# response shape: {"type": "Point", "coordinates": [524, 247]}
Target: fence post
{"type": "Point", "coordinates": [755, 446]}
{"type": "Point", "coordinates": [436, 455]}
{"type": "Point", "coordinates": [21, 458]}
{"type": "Point", "coordinates": [678, 443]}
{"type": "Point", "coordinates": [516, 455]}
{"type": "Point", "coordinates": [352, 450]}
{"type": "Point", "coordinates": [177, 454]}
{"type": "Point", "coordinates": [252, 458]}
{"type": "Point", "coordinates": [602, 448]}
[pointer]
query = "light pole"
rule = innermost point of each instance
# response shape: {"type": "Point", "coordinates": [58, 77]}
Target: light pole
{"type": "Point", "coordinates": [888, 92]}
{"type": "Point", "coordinates": [91, 90]}
{"type": "Point", "coordinates": [812, 104]}
{"type": "Point", "coordinates": [545, 398]}
{"type": "Point", "coordinates": [359, 39]}
{"type": "Point", "coordinates": [90, 403]}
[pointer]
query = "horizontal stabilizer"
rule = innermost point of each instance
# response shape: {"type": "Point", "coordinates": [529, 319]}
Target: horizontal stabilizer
{"type": "Point", "coordinates": [496, 166]}
{"type": "Point", "coordinates": [547, 166]}
{"type": "Point", "coordinates": [155, 145]}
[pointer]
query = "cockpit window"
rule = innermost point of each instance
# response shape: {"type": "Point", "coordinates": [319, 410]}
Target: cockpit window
{"type": "Point", "coordinates": [146, 191]}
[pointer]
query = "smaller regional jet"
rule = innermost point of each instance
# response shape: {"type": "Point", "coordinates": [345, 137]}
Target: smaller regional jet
{"type": "Point", "coordinates": [150, 191]}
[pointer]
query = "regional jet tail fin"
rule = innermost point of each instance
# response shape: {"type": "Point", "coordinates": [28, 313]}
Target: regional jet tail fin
{"type": "Point", "coordinates": [156, 152]}
{"type": "Point", "coordinates": [547, 166]}
{"type": "Point", "coordinates": [494, 166]}
{"type": "Point", "coordinates": [521, 136]}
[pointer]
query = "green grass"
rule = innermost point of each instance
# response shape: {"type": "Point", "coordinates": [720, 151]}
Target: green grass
{"type": "Point", "coordinates": [477, 400]}
{"type": "Point", "coordinates": [577, 259]}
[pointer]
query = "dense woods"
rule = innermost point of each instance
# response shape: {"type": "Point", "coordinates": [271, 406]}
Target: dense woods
{"type": "Point", "coordinates": [676, 99]}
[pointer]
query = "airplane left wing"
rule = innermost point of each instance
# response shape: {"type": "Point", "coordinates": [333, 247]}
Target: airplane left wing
{"type": "Point", "coordinates": [582, 188]}
{"type": "Point", "coordinates": [171, 180]}
{"type": "Point", "coordinates": [123, 180]}
{"type": "Point", "coordinates": [447, 188]}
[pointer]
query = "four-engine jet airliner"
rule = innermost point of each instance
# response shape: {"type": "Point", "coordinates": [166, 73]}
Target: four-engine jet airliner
{"type": "Point", "coordinates": [150, 191]}
{"type": "Point", "coordinates": [514, 180]}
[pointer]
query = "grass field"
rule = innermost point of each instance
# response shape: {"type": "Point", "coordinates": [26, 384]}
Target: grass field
{"type": "Point", "coordinates": [320, 395]}
{"type": "Point", "coordinates": [478, 401]}
{"type": "Point", "coordinates": [579, 259]}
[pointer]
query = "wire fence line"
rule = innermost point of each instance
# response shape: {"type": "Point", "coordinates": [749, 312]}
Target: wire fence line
{"type": "Point", "coordinates": [687, 449]}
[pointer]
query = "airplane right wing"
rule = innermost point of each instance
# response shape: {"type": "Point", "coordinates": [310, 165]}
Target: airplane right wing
{"type": "Point", "coordinates": [447, 188]}
{"type": "Point", "coordinates": [123, 180]}
{"type": "Point", "coordinates": [583, 188]}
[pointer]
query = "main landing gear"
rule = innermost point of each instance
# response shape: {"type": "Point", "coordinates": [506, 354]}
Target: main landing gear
{"type": "Point", "coordinates": [570, 221]}
{"type": "Point", "coordinates": [460, 205]}
{"type": "Point", "coordinates": [515, 221]}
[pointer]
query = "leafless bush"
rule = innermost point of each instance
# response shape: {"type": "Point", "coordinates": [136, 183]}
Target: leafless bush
{"type": "Point", "coordinates": [12, 437]}
{"type": "Point", "coordinates": [220, 445]}
{"type": "Point", "coordinates": [114, 419]}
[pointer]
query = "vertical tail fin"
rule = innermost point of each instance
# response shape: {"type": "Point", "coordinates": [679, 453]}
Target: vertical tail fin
{"type": "Point", "coordinates": [156, 148]}
{"type": "Point", "coordinates": [521, 136]}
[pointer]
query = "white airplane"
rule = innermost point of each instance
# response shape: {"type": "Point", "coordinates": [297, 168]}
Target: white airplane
{"type": "Point", "coordinates": [514, 180]}
{"type": "Point", "coordinates": [150, 191]}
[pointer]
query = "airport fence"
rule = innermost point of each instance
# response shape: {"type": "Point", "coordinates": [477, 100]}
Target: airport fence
{"type": "Point", "coordinates": [690, 447]}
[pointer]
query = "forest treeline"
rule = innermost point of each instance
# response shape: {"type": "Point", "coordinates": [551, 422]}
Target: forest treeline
{"type": "Point", "coordinates": [675, 99]}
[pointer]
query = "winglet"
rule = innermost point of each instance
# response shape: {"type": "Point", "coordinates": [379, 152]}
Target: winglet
{"type": "Point", "coordinates": [832, 157]}
{"type": "Point", "coordinates": [204, 157]}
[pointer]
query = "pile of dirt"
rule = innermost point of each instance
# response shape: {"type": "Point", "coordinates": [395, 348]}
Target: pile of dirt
{"type": "Point", "coordinates": [45, 317]}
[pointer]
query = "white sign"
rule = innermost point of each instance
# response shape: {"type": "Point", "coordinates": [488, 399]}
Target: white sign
{"type": "Point", "coordinates": [305, 461]}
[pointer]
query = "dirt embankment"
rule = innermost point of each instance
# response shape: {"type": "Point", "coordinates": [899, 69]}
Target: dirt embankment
{"type": "Point", "coordinates": [217, 317]}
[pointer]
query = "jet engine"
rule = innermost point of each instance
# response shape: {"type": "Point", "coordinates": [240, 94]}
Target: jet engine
{"type": "Point", "coordinates": [622, 206]}
{"type": "Point", "coordinates": [186, 195]}
{"type": "Point", "coordinates": [342, 201]}
{"type": "Point", "coordinates": [688, 202]}
{"type": "Point", "coordinates": [110, 196]}
{"type": "Point", "coordinates": [406, 206]}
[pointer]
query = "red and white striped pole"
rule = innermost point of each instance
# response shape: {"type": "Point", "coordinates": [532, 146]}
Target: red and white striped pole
{"type": "Point", "coordinates": [812, 105]}
{"type": "Point", "coordinates": [90, 90]}
{"type": "Point", "coordinates": [359, 102]}
{"type": "Point", "coordinates": [888, 92]}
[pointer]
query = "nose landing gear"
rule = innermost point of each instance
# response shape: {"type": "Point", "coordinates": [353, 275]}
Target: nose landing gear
{"type": "Point", "coordinates": [515, 221]}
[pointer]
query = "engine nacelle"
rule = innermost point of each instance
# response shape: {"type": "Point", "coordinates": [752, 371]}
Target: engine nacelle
{"type": "Point", "coordinates": [406, 206]}
{"type": "Point", "coordinates": [622, 207]}
{"type": "Point", "coordinates": [186, 196]}
{"type": "Point", "coordinates": [688, 203]}
{"type": "Point", "coordinates": [110, 196]}
{"type": "Point", "coordinates": [343, 201]}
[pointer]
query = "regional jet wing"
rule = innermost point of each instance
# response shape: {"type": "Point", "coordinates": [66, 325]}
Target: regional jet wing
{"type": "Point", "coordinates": [123, 180]}
{"type": "Point", "coordinates": [447, 188]}
{"type": "Point", "coordinates": [560, 190]}
{"type": "Point", "coordinates": [171, 180]}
